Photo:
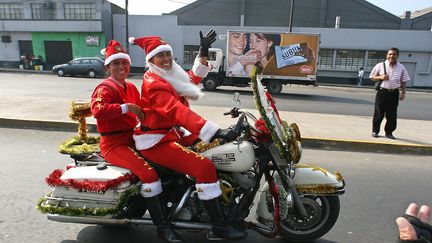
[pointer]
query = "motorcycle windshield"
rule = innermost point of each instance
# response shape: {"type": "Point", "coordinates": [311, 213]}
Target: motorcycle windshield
{"type": "Point", "coordinates": [270, 112]}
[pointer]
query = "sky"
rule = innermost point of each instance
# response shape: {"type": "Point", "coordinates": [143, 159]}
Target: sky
{"type": "Point", "coordinates": [157, 7]}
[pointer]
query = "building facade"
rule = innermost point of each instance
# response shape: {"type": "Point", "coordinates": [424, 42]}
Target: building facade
{"type": "Point", "coordinates": [51, 32]}
{"type": "Point", "coordinates": [353, 33]}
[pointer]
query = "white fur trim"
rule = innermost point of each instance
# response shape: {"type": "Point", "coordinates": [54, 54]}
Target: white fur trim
{"type": "Point", "coordinates": [158, 49]}
{"type": "Point", "coordinates": [146, 141]}
{"type": "Point", "coordinates": [131, 40]}
{"type": "Point", "coordinates": [208, 131]}
{"type": "Point", "coordinates": [103, 51]}
{"type": "Point", "coordinates": [124, 108]}
{"type": "Point", "coordinates": [199, 69]}
{"type": "Point", "coordinates": [208, 191]}
{"type": "Point", "coordinates": [151, 189]}
{"type": "Point", "coordinates": [117, 56]}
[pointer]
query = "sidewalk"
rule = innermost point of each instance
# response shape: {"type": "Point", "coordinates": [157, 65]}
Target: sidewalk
{"type": "Point", "coordinates": [322, 131]}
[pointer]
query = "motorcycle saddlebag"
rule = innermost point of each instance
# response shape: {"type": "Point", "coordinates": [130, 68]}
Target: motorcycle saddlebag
{"type": "Point", "coordinates": [80, 197]}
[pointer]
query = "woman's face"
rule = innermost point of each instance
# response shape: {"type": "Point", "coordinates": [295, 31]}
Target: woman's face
{"type": "Point", "coordinates": [119, 68]}
{"type": "Point", "coordinates": [259, 43]}
{"type": "Point", "coordinates": [237, 43]}
{"type": "Point", "coordinates": [163, 60]}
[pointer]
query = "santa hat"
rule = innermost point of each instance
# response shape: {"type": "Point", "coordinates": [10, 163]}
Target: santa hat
{"type": "Point", "coordinates": [114, 51]}
{"type": "Point", "coordinates": [152, 45]}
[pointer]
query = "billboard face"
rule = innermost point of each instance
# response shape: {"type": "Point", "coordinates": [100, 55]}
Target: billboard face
{"type": "Point", "coordinates": [274, 54]}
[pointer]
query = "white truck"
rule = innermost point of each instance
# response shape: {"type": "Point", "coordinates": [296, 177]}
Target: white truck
{"type": "Point", "coordinates": [282, 58]}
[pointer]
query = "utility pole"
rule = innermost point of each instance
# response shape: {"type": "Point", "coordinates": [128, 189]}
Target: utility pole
{"type": "Point", "coordinates": [291, 16]}
{"type": "Point", "coordinates": [127, 25]}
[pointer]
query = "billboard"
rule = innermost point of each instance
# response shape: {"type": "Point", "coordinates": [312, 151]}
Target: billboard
{"type": "Point", "coordinates": [276, 54]}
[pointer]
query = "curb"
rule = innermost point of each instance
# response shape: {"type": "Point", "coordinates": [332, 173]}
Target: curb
{"type": "Point", "coordinates": [44, 125]}
{"type": "Point", "coordinates": [365, 146]}
{"type": "Point", "coordinates": [307, 142]}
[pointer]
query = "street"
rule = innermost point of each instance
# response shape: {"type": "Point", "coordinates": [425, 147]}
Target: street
{"type": "Point", "coordinates": [321, 99]}
{"type": "Point", "coordinates": [378, 189]}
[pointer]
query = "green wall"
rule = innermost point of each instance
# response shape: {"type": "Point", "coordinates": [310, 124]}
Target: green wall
{"type": "Point", "coordinates": [79, 46]}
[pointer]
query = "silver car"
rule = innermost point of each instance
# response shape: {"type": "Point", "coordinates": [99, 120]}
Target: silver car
{"type": "Point", "coordinates": [87, 66]}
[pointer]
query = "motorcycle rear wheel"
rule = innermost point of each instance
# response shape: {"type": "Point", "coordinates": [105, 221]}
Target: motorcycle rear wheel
{"type": "Point", "coordinates": [323, 212]}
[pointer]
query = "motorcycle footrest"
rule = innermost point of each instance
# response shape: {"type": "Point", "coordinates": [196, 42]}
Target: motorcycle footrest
{"type": "Point", "coordinates": [211, 236]}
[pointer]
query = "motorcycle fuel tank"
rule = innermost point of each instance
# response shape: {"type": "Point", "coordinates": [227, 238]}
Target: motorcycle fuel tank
{"type": "Point", "coordinates": [234, 156]}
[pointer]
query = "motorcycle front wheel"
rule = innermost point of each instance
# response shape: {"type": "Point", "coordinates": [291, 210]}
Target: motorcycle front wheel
{"type": "Point", "coordinates": [323, 212]}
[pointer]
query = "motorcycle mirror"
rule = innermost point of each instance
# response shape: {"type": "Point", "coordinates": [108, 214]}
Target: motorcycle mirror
{"type": "Point", "coordinates": [236, 100]}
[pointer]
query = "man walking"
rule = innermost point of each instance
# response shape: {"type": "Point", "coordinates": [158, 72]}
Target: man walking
{"type": "Point", "coordinates": [360, 77]}
{"type": "Point", "coordinates": [394, 77]}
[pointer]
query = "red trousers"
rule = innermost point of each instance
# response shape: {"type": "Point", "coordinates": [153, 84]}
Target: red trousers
{"type": "Point", "coordinates": [173, 155]}
{"type": "Point", "coordinates": [119, 150]}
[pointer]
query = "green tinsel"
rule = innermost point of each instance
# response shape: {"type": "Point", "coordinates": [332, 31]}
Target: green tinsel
{"type": "Point", "coordinates": [76, 146]}
{"type": "Point", "coordinates": [260, 107]}
{"type": "Point", "coordinates": [43, 207]}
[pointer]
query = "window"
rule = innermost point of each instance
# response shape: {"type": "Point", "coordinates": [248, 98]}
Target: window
{"type": "Point", "coordinates": [189, 54]}
{"type": "Point", "coordinates": [94, 61]}
{"type": "Point", "coordinates": [325, 59]}
{"type": "Point", "coordinates": [85, 61]}
{"type": "Point", "coordinates": [75, 62]}
{"type": "Point", "coordinates": [375, 57]}
{"type": "Point", "coordinates": [11, 11]}
{"type": "Point", "coordinates": [80, 11]}
{"type": "Point", "coordinates": [43, 10]}
{"type": "Point", "coordinates": [349, 59]}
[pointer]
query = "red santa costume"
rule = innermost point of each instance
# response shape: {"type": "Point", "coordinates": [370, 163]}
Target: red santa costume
{"type": "Point", "coordinates": [109, 105]}
{"type": "Point", "coordinates": [164, 131]}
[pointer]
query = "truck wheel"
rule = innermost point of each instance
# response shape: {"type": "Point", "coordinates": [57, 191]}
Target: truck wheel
{"type": "Point", "coordinates": [210, 83]}
{"type": "Point", "coordinates": [274, 86]}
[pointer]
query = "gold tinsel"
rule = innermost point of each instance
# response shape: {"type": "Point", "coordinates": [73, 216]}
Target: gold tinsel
{"type": "Point", "coordinates": [202, 146]}
{"type": "Point", "coordinates": [81, 144]}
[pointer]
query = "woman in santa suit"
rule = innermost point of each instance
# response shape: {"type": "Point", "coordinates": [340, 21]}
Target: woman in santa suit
{"type": "Point", "coordinates": [114, 105]}
{"type": "Point", "coordinates": [170, 125]}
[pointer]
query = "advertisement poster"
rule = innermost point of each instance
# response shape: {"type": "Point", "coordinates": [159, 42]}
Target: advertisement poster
{"type": "Point", "coordinates": [275, 54]}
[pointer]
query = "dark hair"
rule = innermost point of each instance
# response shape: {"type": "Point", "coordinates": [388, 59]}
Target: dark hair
{"type": "Point", "coordinates": [394, 49]}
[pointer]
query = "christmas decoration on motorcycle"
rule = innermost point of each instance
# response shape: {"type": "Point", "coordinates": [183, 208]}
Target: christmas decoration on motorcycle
{"type": "Point", "coordinates": [54, 179]}
{"type": "Point", "coordinates": [81, 144]}
{"type": "Point", "coordinates": [286, 137]}
{"type": "Point", "coordinates": [45, 207]}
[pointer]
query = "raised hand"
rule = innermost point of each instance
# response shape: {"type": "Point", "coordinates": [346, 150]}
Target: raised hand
{"type": "Point", "coordinates": [205, 42]}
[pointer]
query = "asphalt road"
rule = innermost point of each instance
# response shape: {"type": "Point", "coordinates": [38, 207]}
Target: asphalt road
{"type": "Point", "coordinates": [379, 187]}
{"type": "Point", "coordinates": [322, 99]}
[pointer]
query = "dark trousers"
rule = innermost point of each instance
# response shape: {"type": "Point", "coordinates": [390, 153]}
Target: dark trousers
{"type": "Point", "coordinates": [386, 103]}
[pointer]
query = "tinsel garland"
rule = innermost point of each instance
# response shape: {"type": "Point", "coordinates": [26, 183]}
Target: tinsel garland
{"type": "Point", "coordinates": [54, 179]}
{"type": "Point", "coordinates": [291, 132]}
{"type": "Point", "coordinates": [80, 109]}
{"type": "Point", "coordinates": [202, 146]}
{"type": "Point", "coordinates": [77, 146]}
{"type": "Point", "coordinates": [260, 107]}
{"type": "Point", "coordinates": [44, 207]}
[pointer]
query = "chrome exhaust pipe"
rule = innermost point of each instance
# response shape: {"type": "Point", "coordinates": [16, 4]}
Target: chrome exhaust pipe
{"type": "Point", "coordinates": [123, 222]}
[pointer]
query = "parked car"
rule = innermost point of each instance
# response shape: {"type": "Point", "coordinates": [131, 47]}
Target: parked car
{"type": "Point", "coordinates": [90, 66]}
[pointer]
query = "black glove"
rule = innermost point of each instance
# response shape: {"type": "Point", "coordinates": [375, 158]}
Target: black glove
{"type": "Point", "coordinates": [423, 230]}
{"type": "Point", "coordinates": [226, 134]}
{"type": "Point", "coordinates": [205, 42]}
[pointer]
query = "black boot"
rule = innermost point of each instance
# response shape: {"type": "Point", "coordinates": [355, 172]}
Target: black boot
{"type": "Point", "coordinates": [158, 214]}
{"type": "Point", "coordinates": [220, 227]}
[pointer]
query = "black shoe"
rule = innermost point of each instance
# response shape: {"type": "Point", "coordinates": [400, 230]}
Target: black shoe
{"type": "Point", "coordinates": [375, 134]}
{"type": "Point", "coordinates": [165, 230]}
{"type": "Point", "coordinates": [389, 135]}
{"type": "Point", "coordinates": [221, 228]}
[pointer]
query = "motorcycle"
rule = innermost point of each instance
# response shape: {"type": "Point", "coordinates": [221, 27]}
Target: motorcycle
{"type": "Point", "coordinates": [296, 201]}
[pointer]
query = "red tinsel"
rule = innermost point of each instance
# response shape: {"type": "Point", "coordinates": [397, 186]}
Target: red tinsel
{"type": "Point", "coordinates": [53, 179]}
{"type": "Point", "coordinates": [265, 134]}
{"type": "Point", "coordinates": [273, 105]}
